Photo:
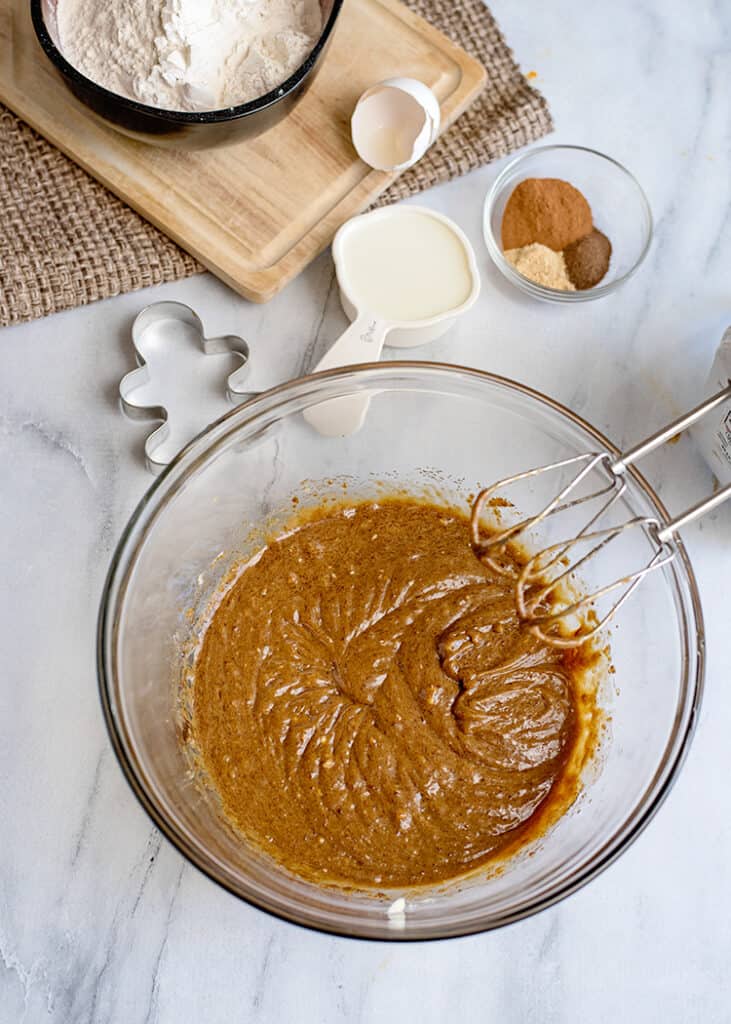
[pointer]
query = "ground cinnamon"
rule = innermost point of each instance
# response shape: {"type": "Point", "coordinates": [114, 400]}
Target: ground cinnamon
{"type": "Point", "coordinates": [545, 210]}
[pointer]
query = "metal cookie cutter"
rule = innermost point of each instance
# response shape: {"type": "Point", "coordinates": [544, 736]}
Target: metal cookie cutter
{"type": "Point", "coordinates": [173, 384]}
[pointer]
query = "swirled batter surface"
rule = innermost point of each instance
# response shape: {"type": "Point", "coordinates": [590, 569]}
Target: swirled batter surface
{"type": "Point", "coordinates": [369, 709]}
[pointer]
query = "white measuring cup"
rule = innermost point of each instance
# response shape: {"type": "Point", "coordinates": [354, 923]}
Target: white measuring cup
{"type": "Point", "coordinates": [393, 265]}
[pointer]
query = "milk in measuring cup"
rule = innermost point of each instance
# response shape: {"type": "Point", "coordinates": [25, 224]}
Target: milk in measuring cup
{"type": "Point", "coordinates": [407, 266]}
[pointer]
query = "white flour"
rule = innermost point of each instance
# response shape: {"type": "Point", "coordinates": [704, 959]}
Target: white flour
{"type": "Point", "coordinates": [188, 54]}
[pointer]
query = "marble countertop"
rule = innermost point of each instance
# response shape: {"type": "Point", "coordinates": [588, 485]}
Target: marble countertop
{"type": "Point", "coordinates": [101, 920]}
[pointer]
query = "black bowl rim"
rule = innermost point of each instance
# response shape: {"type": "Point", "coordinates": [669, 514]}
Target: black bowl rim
{"type": "Point", "coordinates": [590, 872]}
{"type": "Point", "coordinates": [221, 115]}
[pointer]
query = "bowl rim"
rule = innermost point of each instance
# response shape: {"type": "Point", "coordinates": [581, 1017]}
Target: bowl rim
{"type": "Point", "coordinates": [540, 291]}
{"type": "Point", "coordinates": [193, 453]}
{"type": "Point", "coordinates": [217, 116]}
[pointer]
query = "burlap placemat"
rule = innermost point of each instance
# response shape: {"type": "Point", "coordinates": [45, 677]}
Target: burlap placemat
{"type": "Point", "coordinates": [66, 241]}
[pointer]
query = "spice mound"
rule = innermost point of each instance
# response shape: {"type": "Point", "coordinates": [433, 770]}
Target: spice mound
{"type": "Point", "coordinates": [587, 259]}
{"type": "Point", "coordinates": [548, 235]}
{"type": "Point", "coordinates": [545, 210]}
{"type": "Point", "coordinates": [541, 264]}
{"type": "Point", "coordinates": [371, 713]}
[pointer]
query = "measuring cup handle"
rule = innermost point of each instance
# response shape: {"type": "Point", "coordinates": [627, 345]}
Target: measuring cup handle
{"type": "Point", "coordinates": [361, 343]}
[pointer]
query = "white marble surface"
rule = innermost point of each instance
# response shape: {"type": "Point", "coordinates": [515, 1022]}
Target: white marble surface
{"type": "Point", "coordinates": [100, 921]}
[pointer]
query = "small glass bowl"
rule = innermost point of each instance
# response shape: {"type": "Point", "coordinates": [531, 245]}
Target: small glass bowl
{"type": "Point", "coordinates": [617, 201]}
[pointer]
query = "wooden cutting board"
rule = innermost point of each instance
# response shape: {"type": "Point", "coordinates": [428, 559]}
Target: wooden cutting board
{"type": "Point", "coordinates": [256, 213]}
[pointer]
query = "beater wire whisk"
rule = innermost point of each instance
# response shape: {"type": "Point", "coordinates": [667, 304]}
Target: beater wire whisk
{"type": "Point", "coordinates": [548, 596]}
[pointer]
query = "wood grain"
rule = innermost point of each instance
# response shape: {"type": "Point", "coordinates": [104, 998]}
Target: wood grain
{"type": "Point", "coordinates": [256, 213]}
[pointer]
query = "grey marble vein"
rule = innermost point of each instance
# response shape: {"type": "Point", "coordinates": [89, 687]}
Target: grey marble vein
{"type": "Point", "coordinates": [315, 347]}
{"type": "Point", "coordinates": [152, 1007]}
{"type": "Point", "coordinates": [262, 976]}
{"type": "Point", "coordinates": [57, 442]}
{"type": "Point", "coordinates": [91, 803]}
{"type": "Point", "coordinates": [148, 858]}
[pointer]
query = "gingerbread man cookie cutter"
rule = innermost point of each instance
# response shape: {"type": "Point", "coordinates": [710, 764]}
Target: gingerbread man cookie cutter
{"type": "Point", "coordinates": [174, 385]}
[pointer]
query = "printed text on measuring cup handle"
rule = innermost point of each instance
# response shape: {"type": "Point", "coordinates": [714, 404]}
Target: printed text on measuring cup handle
{"type": "Point", "coordinates": [369, 334]}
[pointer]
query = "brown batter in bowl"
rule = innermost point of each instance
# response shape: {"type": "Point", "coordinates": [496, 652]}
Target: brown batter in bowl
{"type": "Point", "coordinates": [369, 709]}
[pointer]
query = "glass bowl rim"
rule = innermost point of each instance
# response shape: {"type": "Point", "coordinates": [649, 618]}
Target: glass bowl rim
{"type": "Point", "coordinates": [190, 457]}
{"type": "Point", "coordinates": [540, 291]}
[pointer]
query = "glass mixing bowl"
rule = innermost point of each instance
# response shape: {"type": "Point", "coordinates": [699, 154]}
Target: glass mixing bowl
{"type": "Point", "coordinates": [429, 426]}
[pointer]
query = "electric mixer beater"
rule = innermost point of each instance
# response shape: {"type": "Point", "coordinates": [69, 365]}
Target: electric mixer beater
{"type": "Point", "coordinates": [547, 598]}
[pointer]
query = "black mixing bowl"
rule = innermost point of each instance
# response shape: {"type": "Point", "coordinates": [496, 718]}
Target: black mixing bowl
{"type": "Point", "coordinates": [178, 128]}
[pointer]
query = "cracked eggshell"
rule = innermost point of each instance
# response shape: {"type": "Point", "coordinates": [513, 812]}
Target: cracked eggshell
{"type": "Point", "coordinates": [394, 123]}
